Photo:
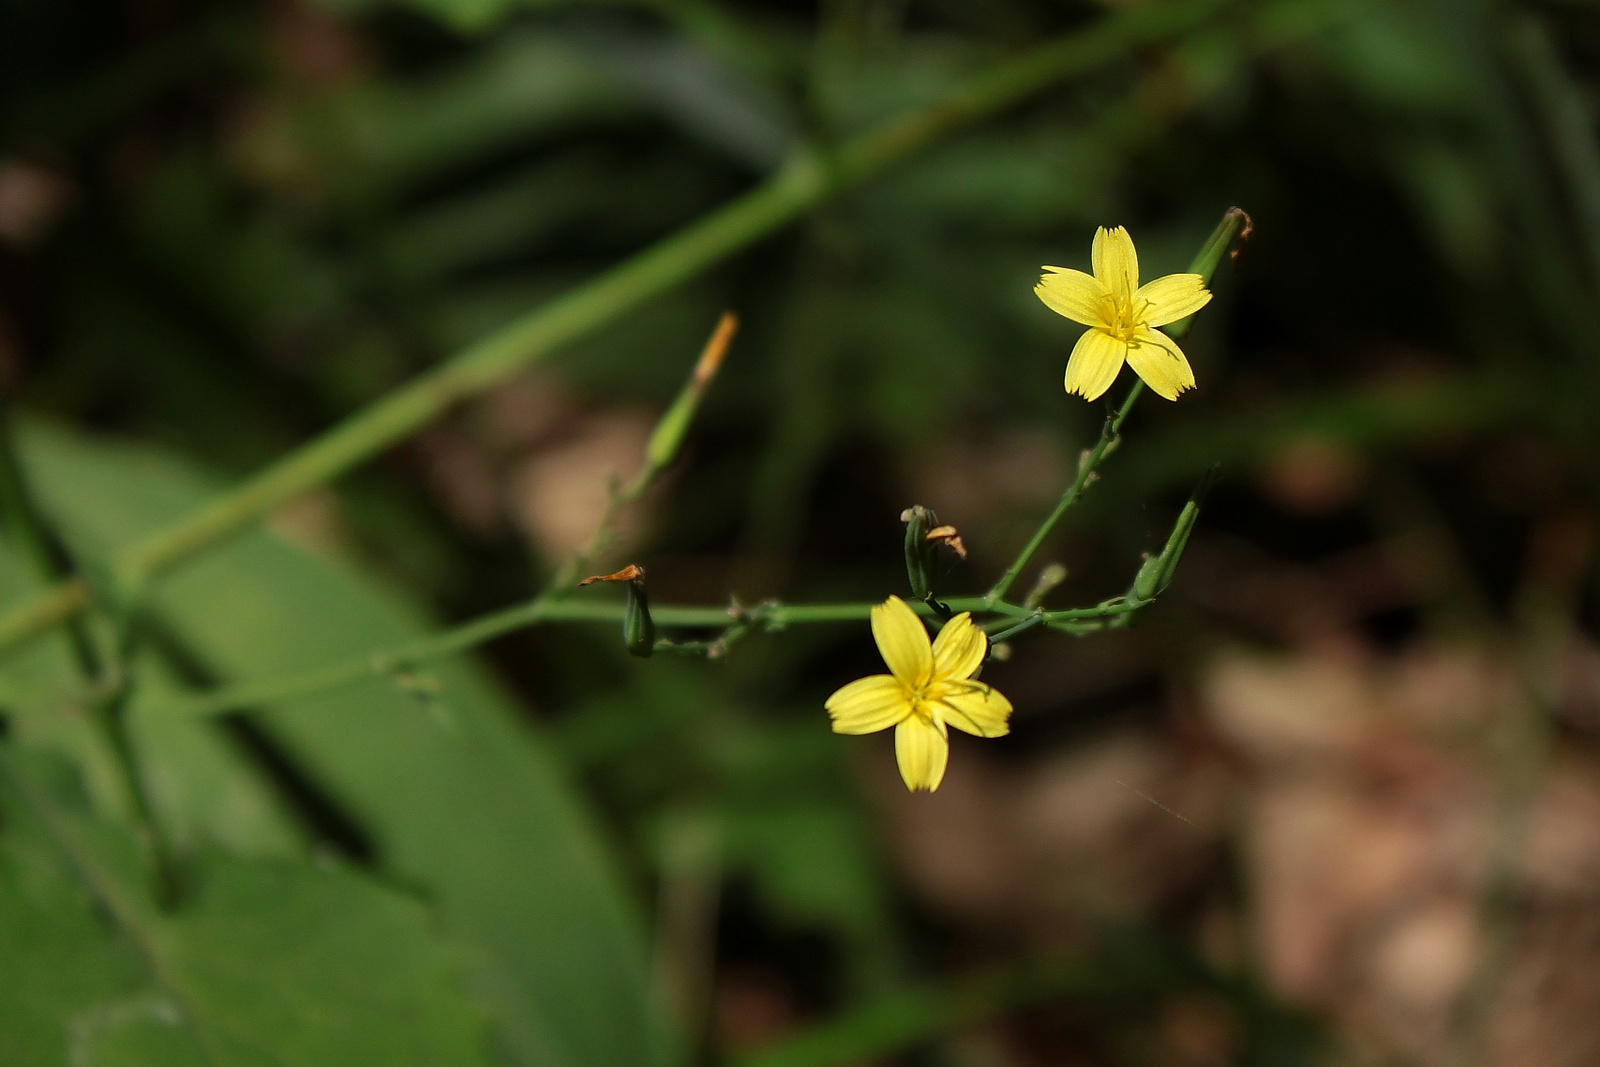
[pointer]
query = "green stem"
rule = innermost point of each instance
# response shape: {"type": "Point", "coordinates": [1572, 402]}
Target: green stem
{"type": "Point", "coordinates": [1086, 469]}
{"type": "Point", "coordinates": [659, 453]}
{"type": "Point", "coordinates": [401, 413]}
{"type": "Point", "coordinates": [551, 607]}
{"type": "Point", "coordinates": [1016, 628]}
{"type": "Point", "coordinates": [43, 546]}
{"type": "Point", "coordinates": [1235, 225]}
{"type": "Point", "coordinates": [109, 709]}
{"type": "Point", "coordinates": [1105, 610]}
{"type": "Point", "coordinates": [801, 184]}
{"type": "Point", "coordinates": [39, 542]}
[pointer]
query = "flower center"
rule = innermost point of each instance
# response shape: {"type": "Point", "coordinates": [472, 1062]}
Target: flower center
{"type": "Point", "coordinates": [921, 698]}
{"type": "Point", "coordinates": [1122, 319]}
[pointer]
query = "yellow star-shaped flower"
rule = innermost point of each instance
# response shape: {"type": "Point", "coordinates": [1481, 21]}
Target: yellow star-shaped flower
{"type": "Point", "coordinates": [1122, 316]}
{"type": "Point", "coordinates": [928, 688]}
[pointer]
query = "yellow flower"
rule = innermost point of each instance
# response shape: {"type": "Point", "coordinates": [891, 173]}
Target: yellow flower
{"type": "Point", "coordinates": [928, 688]}
{"type": "Point", "coordinates": [1122, 316]}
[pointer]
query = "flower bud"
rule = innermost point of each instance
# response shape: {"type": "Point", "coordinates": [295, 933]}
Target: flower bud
{"type": "Point", "coordinates": [1157, 571]}
{"type": "Point", "coordinates": [1147, 584]}
{"type": "Point", "coordinates": [919, 550]}
{"type": "Point", "coordinates": [638, 629]}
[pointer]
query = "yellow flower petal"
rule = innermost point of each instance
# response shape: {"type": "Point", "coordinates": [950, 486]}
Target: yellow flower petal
{"type": "Point", "coordinates": [1157, 359]}
{"type": "Point", "coordinates": [1073, 294]}
{"type": "Point", "coordinates": [922, 751]}
{"type": "Point", "coordinates": [976, 708]}
{"type": "Point", "coordinates": [1172, 297]}
{"type": "Point", "coordinates": [1116, 264]}
{"type": "Point", "coordinates": [959, 648]}
{"type": "Point", "coordinates": [868, 705]}
{"type": "Point", "coordinates": [903, 641]}
{"type": "Point", "coordinates": [1096, 359]}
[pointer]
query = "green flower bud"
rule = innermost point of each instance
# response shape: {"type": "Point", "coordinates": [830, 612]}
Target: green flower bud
{"type": "Point", "coordinates": [638, 629]}
{"type": "Point", "coordinates": [1157, 571]}
{"type": "Point", "coordinates": [919, 550]}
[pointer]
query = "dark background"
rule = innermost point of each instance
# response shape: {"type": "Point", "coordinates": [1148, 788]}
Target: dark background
{"type": "Point", "coordinates": [1370, 705]}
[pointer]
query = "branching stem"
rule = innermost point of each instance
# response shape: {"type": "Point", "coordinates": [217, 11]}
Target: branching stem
{"type": "Point", "coordinates": [1086, 468]}
{"type": "Point", "coordinates": [803, 183]}
{"type": "Point", "coordinates": [733, 620]}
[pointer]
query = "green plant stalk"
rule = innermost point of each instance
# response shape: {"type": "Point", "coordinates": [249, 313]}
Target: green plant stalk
{"type": "Point", "coordinates": [1014, 629]}
{"type": "Point", "coordinates": [44, 548]}
{"type": "Point", "coordinates": [1050, 577]}
{"type": "Point", "coordinates": [662, 449]}
{"type": "Point", "coordinates": [801, 184]}
{"type": "Point", "coordinates": [109, 710]}
{"type": "Point", "coordinates": [1156, 574]}
{"type": "Point", "coordinates": [549, 608]}
{"type": "Point", "coordinates": [38, 542]}
{"type": "Point", "coordinates": [1086, 469]}
{"type": "Point", "coordinates": [555, 604]}
{"type": "Point", "coordinates": [673, 426]}
{"type": "Point", "coordinates": [1235, 222]}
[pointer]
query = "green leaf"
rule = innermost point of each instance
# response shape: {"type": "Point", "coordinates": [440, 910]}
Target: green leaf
{"type": "Point", "coordinates": [266, 963]}
{"type": "Point", "coordinates": [459, 798]}
{"type": "Point", "coordinates": [72, 986]}
{"type": "Point", "coordinates": [296, 964]}
{"type": "Point", "coordinates": [200, 784]}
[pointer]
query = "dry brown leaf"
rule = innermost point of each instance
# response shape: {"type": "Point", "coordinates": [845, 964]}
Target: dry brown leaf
{"type": "Point", "coordinates": [631, 573]}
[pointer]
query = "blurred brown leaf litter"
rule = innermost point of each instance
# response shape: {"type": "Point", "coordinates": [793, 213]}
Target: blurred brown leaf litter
{"type": "Point", "coordinates": [1352, 784]}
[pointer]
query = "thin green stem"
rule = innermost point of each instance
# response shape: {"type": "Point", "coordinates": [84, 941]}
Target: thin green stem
{"type": "Point", "coordinates": [39, 542]}
{"type": "Point", "coordinates": [1086, 469]}
{"type": "Point", "coordinates": [109, 709]}
{"type": "Point", "coordinates": [659, 454]}
{"type": "Point", "coordinates": [1235, 225]}
{"type": "Point", "coordinates": [800, 185]}
{"type": "Point", "coordinates": [1052, 576]}
{"type": "Point", "coordinates": [713, 649]}
{"type": "Point", "coordinates": [43, 546]}
{"type": "Point", "coordinates": [733, 620]}
{"type": "Point", "coordinates": [1105, 610]}
{"type": "Point", "coordinates": [1016, 628]}
{"type": "Point", "coordinates": [1078, 629]}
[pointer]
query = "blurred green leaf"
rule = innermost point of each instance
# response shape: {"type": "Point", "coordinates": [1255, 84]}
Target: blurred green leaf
{"type": "Point", "coordinates": [524, 85]}
{"type": "Point", "coordinates": [74, 988]}
{"type": "Point", "coordinates": [815, 864]}
{"type": "Point", "coordinates": [459, 799]}
{"type": "Point", "coordinates": [300, 964]}
{"type": "Point", "coordinates": [266, 963]}
{"type": "Point", "coordinates": [203, 787]}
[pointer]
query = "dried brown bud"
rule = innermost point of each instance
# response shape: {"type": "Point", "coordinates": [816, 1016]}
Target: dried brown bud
{"type": "Point", "coordinates": [1244, 235]}
{"type": "Point", "coordinates": [950, 536]}
{"type": "Point", "coordinates": [631, 573]}
{"type": "Point", "coordinates": [716, 348]}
